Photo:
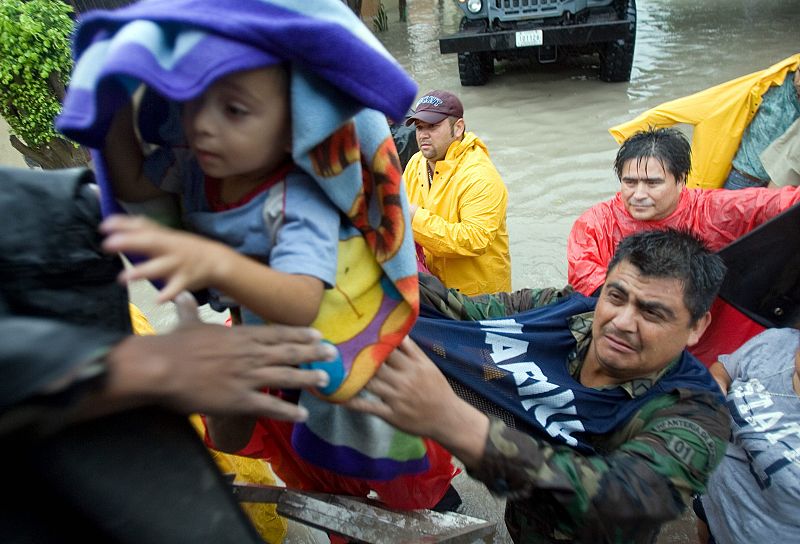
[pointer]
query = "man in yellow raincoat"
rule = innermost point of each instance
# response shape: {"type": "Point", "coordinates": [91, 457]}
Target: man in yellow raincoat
{"type": "Point", "coordinates": [720, 116]}
{"type": "Point", "coordinates": [458, 200]}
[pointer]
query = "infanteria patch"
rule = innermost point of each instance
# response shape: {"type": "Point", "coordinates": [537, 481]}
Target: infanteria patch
{"type": "Point", "coordinates": [681, 448]}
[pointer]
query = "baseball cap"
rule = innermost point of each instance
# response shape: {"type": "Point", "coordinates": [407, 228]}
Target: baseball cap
{"type": "Point", "coordinates": [436, 106]}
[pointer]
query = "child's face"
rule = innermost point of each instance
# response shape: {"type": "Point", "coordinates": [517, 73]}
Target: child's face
{"type": "Point", "coordinates": [240, 127]}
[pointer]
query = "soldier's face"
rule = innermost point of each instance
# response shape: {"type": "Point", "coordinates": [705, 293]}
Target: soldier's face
{"type": "Point", "coordinates": [640, 325]}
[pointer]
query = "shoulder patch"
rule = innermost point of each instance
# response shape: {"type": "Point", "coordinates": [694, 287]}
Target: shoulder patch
{"type": "Point", "coordinates": [680, 447]}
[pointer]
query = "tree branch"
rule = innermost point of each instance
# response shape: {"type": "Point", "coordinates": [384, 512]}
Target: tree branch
{"type": "Point", "coordinates": [57, 153]}
{"type": "Point", "coordinates": [28, 152]}
{"type": "Point", "coordinates": [56, 86]}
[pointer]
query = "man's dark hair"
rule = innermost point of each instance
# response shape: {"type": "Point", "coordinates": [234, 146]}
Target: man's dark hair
{"type": "Point", "coordinates": [675, 254]}
{"type": "Point", "coordinates": [668, 146]}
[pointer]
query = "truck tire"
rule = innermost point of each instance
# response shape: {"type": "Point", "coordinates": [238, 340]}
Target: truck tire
{"type": "Point", "coordinates": [616, 58]}
{"type": "Point", "coordinates": [474, 69]}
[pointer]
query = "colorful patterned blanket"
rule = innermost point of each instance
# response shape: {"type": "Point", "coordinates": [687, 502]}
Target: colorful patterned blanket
{"type": "Point", "coordinates": [343, 85]}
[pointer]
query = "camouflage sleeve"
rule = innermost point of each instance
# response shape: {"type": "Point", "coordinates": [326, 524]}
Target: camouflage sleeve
{"type": "Point", "coordinates": [455, 305]}
{"type": "Point", "coordinates": [642, 476]}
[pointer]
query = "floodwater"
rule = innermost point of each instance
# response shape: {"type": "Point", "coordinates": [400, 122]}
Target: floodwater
{"type": "Point", "coordinates": [546, 126]}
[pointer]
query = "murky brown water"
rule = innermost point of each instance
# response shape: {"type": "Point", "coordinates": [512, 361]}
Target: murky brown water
{"type": "Point", "coordinates": [546, 126]}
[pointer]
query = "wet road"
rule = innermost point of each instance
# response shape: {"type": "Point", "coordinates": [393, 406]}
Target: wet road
{"type": "Point", "coordinates": [546, 126]}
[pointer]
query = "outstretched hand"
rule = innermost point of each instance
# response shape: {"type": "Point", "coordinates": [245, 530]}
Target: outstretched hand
{"type": "Point", "coordinates": [218, 370]}
{"type": "Point", "coordinates": [414, 396]}
{"type": "Point", "coordinates": [185, 261]}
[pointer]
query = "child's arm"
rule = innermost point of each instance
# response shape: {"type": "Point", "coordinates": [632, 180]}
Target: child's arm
{"type": "Point", "coordinates": [188, 261]}
{"type": "Point", "coordinates": [125, 160]}
{"type": "Point", "coordinates": [277, 297]}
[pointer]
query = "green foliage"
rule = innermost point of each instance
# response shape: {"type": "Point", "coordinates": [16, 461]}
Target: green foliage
{"type": "Point", "coordinates": [35, 62]}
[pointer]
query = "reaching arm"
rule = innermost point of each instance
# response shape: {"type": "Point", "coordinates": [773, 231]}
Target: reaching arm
{"type": "Point", "coordinates": [45, 356]}
{"type": "Point", "coordinates": [409, 408]}
{"type": "Point", "coordinates": [455, 305]}
{"type": "Point", "coordinates": [277, 297]}
{"type": "Point", "coordinates": [125, 161]}
{"type": "Point", "coordinates": [650, 469]}
{"type": "Point", "coordinates": [188, 262]}
{"type": "Point", "coordinates": [196, 368]}
{"type": "Point", "coordinates": [732, 214]}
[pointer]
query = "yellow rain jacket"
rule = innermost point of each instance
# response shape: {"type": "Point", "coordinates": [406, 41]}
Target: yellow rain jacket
{"type": "Point", "coordinates": [461, 220]}
{"type": "Point", "coordinates": [719, 115]}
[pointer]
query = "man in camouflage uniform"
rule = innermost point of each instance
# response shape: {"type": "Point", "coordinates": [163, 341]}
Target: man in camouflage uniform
{"type": "Point", "coordinates": [643, 472]}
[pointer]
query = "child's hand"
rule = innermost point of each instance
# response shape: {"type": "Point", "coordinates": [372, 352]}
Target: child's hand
{"type": "Point", "coordinates": [185, 261]}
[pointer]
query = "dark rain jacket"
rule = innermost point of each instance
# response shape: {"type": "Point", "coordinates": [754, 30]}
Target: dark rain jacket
{"type": "Point", "coordinates": [54, 280]}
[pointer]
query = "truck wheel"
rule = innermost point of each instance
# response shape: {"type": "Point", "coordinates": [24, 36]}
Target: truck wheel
{"type": "Point", "coordinates": [474, 69]}
{"type": "Point", "coordinates": [616, 58]}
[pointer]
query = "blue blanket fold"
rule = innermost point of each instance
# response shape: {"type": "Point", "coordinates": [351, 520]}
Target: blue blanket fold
{"type": "Point", "coordinates": [184, 44]}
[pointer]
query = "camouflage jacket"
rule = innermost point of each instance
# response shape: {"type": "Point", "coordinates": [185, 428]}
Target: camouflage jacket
{"type": "Point", "coordinates": [642, 476]}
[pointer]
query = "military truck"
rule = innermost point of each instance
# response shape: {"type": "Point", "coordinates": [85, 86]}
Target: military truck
{"type": "Point", "coordinates": [544, 30]}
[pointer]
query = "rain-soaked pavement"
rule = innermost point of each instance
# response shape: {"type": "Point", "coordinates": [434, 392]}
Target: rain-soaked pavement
{"type": "Point", "coordinates": [546, 127]}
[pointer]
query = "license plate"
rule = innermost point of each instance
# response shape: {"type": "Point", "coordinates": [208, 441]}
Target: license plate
{"type": "Point", "coordinates": [528, 38]}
